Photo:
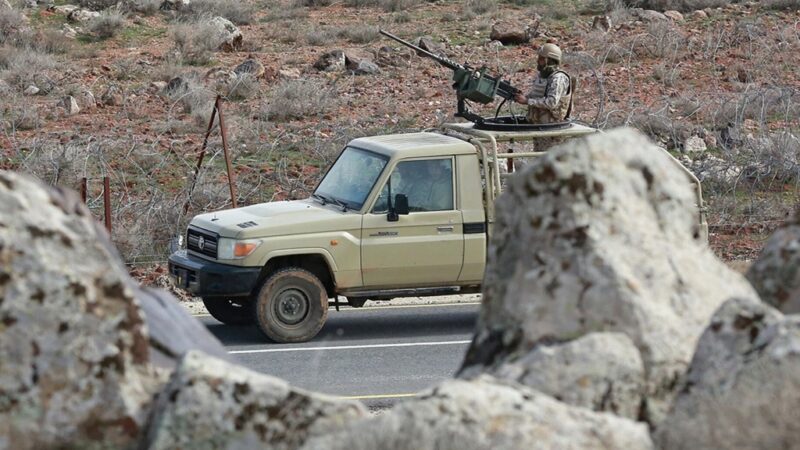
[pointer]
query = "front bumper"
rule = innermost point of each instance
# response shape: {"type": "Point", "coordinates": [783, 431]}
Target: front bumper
{"type": "Point", "coordinates": [204, 278]}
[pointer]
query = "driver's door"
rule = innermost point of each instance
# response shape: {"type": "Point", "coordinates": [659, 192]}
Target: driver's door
{"type": "Point", "coordinates": [425, 247]}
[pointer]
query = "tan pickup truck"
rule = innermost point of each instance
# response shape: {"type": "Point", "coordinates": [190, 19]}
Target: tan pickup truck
{"type": "Point", "coordinates": [403, 215]}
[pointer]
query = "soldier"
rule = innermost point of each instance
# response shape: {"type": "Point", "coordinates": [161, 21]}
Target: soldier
{"type": "Point", "coordinates": [550, 99]}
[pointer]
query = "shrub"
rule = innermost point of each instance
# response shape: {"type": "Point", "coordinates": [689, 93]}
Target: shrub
{"type": "Point", "coordinates": [21, 66]}
{"type": "Point", "coordinates": [387, 5]}
{"type": "Point", "coordinates": [479, 7]}
{"type": "Point", "coordinates": [362, 34]}
{"type": "Point", "coordinates": [10, 22]}
{"type": "Point", "coordinates": [313, 3]}
{"type": "Point", "coordinates": [320, 36]}
{"type": "Point", "coordinates": [781, 4]}
{"type": "Point", "coordinates": [293, 13]}
{"type": "Point", "coordinates": [236, 11]}
{"type": "Point", "coordinates": [295, 99]}
{"type": "Point", "coordinates": [246, 86]}
{"type": "Point", "coordinates": [144, 6]}
{"type": "Point", "coordinates": [108, 24]}
{"type": "Point", "coordinates": [196, 42]}
{"type": "Point", "coordinates": [97, 5]}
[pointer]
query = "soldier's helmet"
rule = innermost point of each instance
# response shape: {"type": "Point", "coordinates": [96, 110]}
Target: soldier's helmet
{"type": "Point", "coordinates": [550, 51]}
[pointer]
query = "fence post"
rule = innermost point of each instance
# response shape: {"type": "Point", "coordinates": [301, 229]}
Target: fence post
{"type": "Point", "coordinates": [107, 202]}
{"type": "Point", "coordinates": [84, 186]}
{"type": "Point", "coordinates": [231, 181]}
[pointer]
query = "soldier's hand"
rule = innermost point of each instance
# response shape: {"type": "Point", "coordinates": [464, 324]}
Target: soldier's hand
{"type": "Point", "coordinates": [521, 99]}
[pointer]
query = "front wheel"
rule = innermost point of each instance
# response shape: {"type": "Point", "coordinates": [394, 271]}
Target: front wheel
{"type": "Point", "coordinates": [291, 306]}
{"type": "Point", "coordinates": [228, 311]}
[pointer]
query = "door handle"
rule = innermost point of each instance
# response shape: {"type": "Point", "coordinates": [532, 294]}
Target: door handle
{"type": "Point", "coordinates": [445, 229]}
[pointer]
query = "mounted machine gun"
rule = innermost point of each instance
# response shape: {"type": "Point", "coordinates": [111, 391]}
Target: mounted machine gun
{"type": "Point", "coordinates": [470, 84]}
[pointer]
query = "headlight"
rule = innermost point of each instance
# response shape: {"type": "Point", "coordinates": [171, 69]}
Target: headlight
{"type": "Point", "coordinates": [236, 249]}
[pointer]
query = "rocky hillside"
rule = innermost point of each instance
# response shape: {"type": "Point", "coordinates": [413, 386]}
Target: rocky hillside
{"type": "Point", "coordinates": [125, 89]}
{"type": "Point", "coordinates": [606, 323]}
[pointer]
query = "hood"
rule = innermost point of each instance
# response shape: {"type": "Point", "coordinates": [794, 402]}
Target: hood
{"type": "Point", "coordinates": [277, 218]}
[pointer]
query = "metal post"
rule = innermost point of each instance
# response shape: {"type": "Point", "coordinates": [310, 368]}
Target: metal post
{"type": "Point", "coordinates": [200, 158]}
{"type": "Point", "coordinates": [107, 202]}
{"type": "Point", "coordinates": [510, 162]}
{"type": "Point", "coordinates": [84, 185]}
{"type": "Point", "coordinates": [231, 181]}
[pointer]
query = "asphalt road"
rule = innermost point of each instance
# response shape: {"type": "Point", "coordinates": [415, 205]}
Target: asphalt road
{"type": "Point", "coordinates": [378, 355]}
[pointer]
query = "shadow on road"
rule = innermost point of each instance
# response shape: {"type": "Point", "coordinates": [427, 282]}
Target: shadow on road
{"type": "Point", "coordinates": [367, 326]}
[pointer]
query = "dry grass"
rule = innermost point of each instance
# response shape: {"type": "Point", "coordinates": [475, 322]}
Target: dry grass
{"type": "Point", "coordinates": [108, 24]}
{"type": "Point", "coordinates": [238, 12]}
{"type": "Point", "coordinates": [360, 34]}
{"type": "Point", "coordinates": [196, 41]}
{"type": "Point", "coordinates": [298, 99]}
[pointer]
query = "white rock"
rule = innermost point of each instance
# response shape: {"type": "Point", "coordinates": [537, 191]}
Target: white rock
{"type": "Point", "coordinates": [599, 371]}
{"type": "Point", "coordinates": [70, 105]}
{"type": "Point", "coordinates": [68, 31]}
{"type": "Point", "coordinates": [698, 15]}
{"type": "Point", "coordinates": [210, 403]}
{"type": "Point", "coordinates": [82, 15]}
{"type": "Point", "coordinates": [228, 36]}
{"type": "Point", "coordinates": [73, 344]}
{"type": "Point", "coordinates": [601, 234]}
{"type": "Point", "coordinates": [289, 74]}
{"type": "Point", "coordinates": [87, 99]}
{"type": "Point", "coordinates": [31, 90]}
{"type": "Point", "coordinates": [65, 9]}
{"type": "Point", "coordinates": [673, 15]}
{"type": "Point", "coordinates": [694, 144]}
{"type": "Point", "coordinates": [486, 414]}
{"type": "Point", "coordinates": [743, 387]}
{"type": "Point", "coordinates": [4, 4]}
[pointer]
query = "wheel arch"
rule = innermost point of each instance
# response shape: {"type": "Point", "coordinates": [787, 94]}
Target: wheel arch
{"type": "Point", "coordinates": [317, 261]}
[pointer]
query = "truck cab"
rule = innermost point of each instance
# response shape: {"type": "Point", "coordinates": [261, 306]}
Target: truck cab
{"type": "Point", "coordinates": [395, 216]}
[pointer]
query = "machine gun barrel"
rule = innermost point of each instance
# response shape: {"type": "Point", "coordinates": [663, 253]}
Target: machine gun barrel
{"type": "Point", "coordinates": [450, 64]}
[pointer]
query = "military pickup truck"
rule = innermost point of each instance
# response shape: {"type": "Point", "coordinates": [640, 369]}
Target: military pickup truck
{"type": "Point", "coordinates": [403, 215]}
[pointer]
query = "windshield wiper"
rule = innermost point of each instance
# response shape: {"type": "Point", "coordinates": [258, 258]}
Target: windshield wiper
{"type": "Point", "coordinates": [321, 199]}
{"type": "Point", "coordinates": [340, 203]}
{"type": "Point", "coordinates": [325, 200]}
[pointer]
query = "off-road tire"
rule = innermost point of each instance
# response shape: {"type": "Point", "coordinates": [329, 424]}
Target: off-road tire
{"type": "Point", "coordinates": [229, 312]}
{"type": "Point", "coordinates": [291, 306]}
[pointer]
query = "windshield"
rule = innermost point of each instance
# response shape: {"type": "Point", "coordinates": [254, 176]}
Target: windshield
{"type": "Point", "coordinates": [352, 177]}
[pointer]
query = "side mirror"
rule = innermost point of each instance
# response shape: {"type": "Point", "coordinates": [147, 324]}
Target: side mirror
{"type": "Point", "coordinates": [401, 204]}
{"type": "Point", "coordinates": [398, 208]}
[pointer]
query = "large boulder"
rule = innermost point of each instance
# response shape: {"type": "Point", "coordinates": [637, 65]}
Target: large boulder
{"type": "Point", "coordinates": [602, 234]}
{"type": "Point", "coordinates": [213, 404]}
{"type": "Point", "coordinates": [227, 37]}
{"type": "Point", "coordinates": [487, 414]}
{"type": "Point", "coordinates": [743, 387]}
{"type": "Point", "coordinates": [599, 371]}
{"type": "Point", "coordinates": [776, 272]}
{"type": "Point", "coordinates": [512, 32]}
{"type": "Point", "coordinates": [77, 364]}
{"type": "Point", "coordinates": [73, 343]}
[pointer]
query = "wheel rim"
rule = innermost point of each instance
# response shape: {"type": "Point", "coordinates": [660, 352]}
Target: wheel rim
{"type": "Point", "coordinates": [291, 306]}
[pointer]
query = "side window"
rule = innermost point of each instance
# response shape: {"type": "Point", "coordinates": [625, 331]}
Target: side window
{"type": "Point", "coordinates": [428, 184]}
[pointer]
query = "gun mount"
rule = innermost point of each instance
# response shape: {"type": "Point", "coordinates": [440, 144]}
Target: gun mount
{"type": "Point", "coordinates": [470, 84]}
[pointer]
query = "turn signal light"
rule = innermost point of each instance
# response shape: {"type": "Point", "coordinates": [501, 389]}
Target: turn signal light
{"type": "Point", "coordinates": [242, 249]}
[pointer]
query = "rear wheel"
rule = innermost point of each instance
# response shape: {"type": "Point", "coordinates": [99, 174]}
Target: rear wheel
{"type": "Point", "coordinates": [291, 306]}
{"type": "Point", "coordinates": [229, 312]}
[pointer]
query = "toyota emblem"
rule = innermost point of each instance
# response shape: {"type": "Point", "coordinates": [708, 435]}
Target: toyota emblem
{"type": "Point", "coordinates": [201, 243]}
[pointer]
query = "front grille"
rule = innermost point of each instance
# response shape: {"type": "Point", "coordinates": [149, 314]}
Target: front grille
{"type": "Point", "coordinates": [202, 241]}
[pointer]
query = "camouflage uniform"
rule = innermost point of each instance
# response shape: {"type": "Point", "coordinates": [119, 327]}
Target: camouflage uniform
{"type": "Point", "coordinates": [549, 98]}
